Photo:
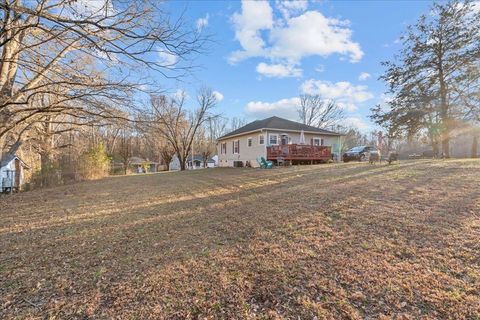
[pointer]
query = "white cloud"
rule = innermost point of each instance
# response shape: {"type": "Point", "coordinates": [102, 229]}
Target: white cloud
{"type": "Point", "coordinates": [343, 93]}
{"type": "Point", "coordinates": [278, 70]}
{"type": "Point", "coordinates": [289, 39]}
{"type": "Point", "coordinates": [289, 7]}
{"type": "Point", "coordinates": [358, 123]}
{"type": "Point", "coordinates": [285, 108]}
{"type": "Point", "coordinates": [476, 6]}
{"type": "Point", "coordinates": [384, 102]}
{"type": "Point", "coordinates": [92, 8]}
{"type": "Point", "coordinates": [179, 94]}
{"type": "Point", "coordinates": [167, 59]}
{"type": "Point", "coordinates": [313, 34]}
{"type": "Point", "coordinates": [218, 96]}
{"type": "Point", "coordinates": [364, 76]}
{"type": "Point", "coordinates": [202, 22]}
{"type": "Point", "coordinates": [255, 16]}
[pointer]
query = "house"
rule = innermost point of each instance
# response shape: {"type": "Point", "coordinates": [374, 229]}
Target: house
{"type": "Point", "coordinates": [11, 173]}
{"type": "Point", "coordinates": [140, 165]}
{"type": "Point", "coordinates": [195, 163]}
{"type": "Point", "coordinates": [135, 165]}
{"type": "Point", "coordinates": [277, 139]}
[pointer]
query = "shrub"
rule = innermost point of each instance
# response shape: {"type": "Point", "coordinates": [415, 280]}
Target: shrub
{"type": "Point", "coordinates": [94, 163]}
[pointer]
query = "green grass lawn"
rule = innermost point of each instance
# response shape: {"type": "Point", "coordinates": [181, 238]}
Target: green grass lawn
{"type": "Point", "coordinates": [346, 241]}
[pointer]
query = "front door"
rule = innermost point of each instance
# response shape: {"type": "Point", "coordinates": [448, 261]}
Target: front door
{"type": "Point", "coordinates": [284, 139]}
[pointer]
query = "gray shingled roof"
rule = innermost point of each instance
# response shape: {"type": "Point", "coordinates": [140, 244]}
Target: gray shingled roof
{"type": "Point", "coordinates": [277, 123]}
{"type": "Point", "coordinates": [9, 157]}
{"type": "Point", "coordinates": [6, 159]}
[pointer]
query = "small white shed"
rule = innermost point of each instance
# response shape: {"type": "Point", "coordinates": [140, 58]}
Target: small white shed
{"type": "Point", "coordinates": [11, 173]}
{"type": "Point", "coordinates": [192, 163]}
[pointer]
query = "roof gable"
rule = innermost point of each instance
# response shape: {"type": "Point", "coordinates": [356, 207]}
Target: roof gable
{"type": "Point", "coordinates": [276, 123]}
{"type": "Point", "coordinates": [7, 158]}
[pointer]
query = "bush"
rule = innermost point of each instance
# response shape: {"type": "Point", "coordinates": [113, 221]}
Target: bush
{"type": "Point", "coordinates": [48, 175]}
{"type": "Point", "coordinates": [94, 163]}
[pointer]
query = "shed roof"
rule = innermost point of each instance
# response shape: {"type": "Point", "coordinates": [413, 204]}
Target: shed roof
{"type": "Point", "coordinates": [9, 157]}
{"type": "Point", "coordinates": [277, 123]}
{"type": "Point", "coordinates": [137, 160]}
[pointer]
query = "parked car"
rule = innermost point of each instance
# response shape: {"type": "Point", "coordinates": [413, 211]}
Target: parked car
{"type": "Point", "coordinates": [360, 153]}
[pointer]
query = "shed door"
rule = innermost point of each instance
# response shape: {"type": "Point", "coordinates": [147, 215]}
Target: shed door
{"type": "Point", "coordinates": [17, 173]}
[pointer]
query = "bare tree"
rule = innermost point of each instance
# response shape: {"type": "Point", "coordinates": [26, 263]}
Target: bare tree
{"type": "Point", "coordinates": [125, 148]}
{"type": "Point", "coordinates": [236, 123]}
{"type": "Point", "coordinates": [167, 153]}
{"type": "Point", "coordinates": [318, 112]}
{"type": "Point", "coordinates": [205, 144]}
{"type": "Point", "coordinates": [83, 54]}
{"type": "Point", "coordinates": [178, 125]}
{"type": "Point", "coordinates": [217, 127]}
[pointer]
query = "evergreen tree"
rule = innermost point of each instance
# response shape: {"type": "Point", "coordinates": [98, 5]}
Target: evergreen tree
{"type": "Point", "coordinates": [431, 79]}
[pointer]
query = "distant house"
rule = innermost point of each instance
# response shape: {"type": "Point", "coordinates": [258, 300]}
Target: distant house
{"type": "Point", "coordinates": [135, 165]}
{"type": "Point", "coordinates": [276, 139]}
{"type": "Point", "coordinates": [192, 163]}
{"type": "Point", "coordinates": [11, 173]}
{"type": "Point", "coordinates": [140, 165]}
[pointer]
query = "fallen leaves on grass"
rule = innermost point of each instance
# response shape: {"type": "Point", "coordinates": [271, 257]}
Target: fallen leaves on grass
{"type": "Point", "coordinates": [350, 241]}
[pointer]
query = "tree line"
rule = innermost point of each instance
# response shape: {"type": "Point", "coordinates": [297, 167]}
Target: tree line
{"type": "Point", "coordinates": [72, 72]}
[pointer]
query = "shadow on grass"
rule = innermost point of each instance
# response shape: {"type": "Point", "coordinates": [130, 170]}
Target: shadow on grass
{"type": "Point", "coordinates": [249, 245]}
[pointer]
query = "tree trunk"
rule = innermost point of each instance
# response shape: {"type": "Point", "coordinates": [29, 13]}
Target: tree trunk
{"type": "Point", "coordinates": [475, 146]}
{"type": "Point", "coordinates": [45, 169]}
{"type": "Point", "coordinates": [183, 164]}
{"type": "Point", "coordinates": [444, 112]}
{"type": "Point", "coordinates": [183, 161]}
{"type": "Point", "coordinates": [446, 144]}
{"type": "Point", "coordinates": [433, 136]}
{"type": "Point", "coordinates": [205, 159]}
{"type": "Point", "coordinates": [435, 147]}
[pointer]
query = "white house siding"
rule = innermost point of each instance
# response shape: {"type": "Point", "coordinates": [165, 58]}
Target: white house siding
{"type": "Point", "coordinates": [256, 150]}
{"type": "Point", "coordinates": [246, 153]}
{"type": "Point", "coordinates": [3, 175]}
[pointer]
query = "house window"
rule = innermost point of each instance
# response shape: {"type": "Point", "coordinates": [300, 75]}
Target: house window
{"type": "Point", "coordinates": [236, 146]}
{"type": "Point", "coordinates": [273, 139]}
{"type": "Point", "coordinates": [261, 139]}
{"type": "Point", "coordinates": [223, 148]}
{"type": "Point", "coordinates": [249, 142]}
{"type": "Point", "coordinates": [317, 142]}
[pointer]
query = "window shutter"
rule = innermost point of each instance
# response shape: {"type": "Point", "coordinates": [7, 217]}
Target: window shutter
{"type": "Point", "coordinates": [311, 141]}
{"type": "Point", "coordinates": [233, 146]}
{"type": "Point", "coordinates": [238, 146]}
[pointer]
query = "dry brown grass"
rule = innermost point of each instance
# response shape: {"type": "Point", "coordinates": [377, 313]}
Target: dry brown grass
{"type": "Point", "coordinates": [350, 241]}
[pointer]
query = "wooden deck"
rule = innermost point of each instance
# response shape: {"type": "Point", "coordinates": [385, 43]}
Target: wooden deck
{"type": "Point", "coordinates": [299, 153]}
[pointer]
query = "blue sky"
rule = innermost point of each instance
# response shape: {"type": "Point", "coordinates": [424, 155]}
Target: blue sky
{"type": "Point", "coordinates": [265, 54]}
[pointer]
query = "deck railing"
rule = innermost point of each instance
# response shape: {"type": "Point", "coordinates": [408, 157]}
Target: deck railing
{"type": "Point", "coordinates": [299, 152]}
